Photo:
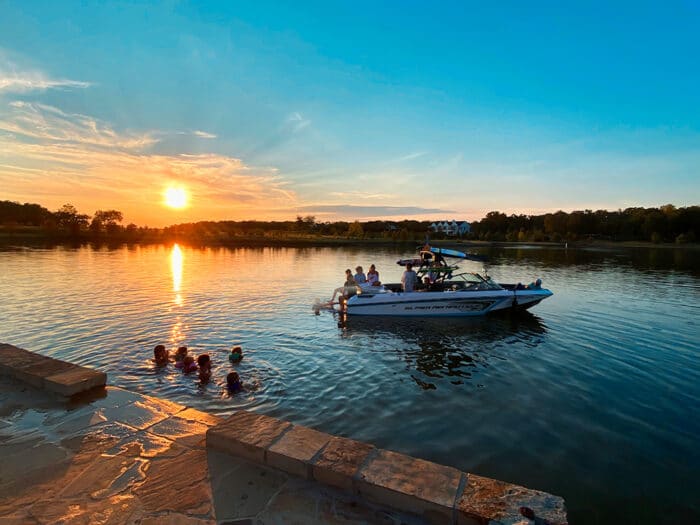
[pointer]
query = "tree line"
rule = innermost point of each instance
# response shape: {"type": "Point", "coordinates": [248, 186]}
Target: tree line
{"type": "Point", "coordinates": [666, 223]}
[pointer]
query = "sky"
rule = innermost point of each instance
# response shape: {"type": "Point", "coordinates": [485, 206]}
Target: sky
{"type": "Point", "coordinates": [349, 110]}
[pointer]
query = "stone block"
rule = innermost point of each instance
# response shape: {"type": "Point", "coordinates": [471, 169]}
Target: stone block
{"type": "Point", "coordinates": [246, 435]}
{"type": "Point", "coordinates": [74, 381]}
{"type": "Point", "coordinates": [293, 452]}
{"type": "Point", "coordinates": [410, 484]}
{"type": "Point", "coordinates": [191, 414]}
{"type": "Point", "coordinates": [339, 461]}
{"type": "Point", "coordinates": [486, 500]}
{"type": "Point", "coordinates": [41, 367]}
{"type": "Point", "coordinates": [14, 358]}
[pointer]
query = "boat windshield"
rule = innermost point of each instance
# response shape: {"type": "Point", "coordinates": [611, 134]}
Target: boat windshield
{"type": "Point", "coordinates": [472, 281]}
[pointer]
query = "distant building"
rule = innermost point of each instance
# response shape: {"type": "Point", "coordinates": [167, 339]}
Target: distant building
{"type": "Point", "coordinates": [451, 228]}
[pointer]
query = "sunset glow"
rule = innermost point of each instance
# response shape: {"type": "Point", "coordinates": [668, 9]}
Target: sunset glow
{"type": "Point", "coordinates": [175, 197]}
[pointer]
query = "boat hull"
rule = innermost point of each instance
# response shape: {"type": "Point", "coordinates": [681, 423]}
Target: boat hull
{"type": "Point", "coordinates": [443, 304]}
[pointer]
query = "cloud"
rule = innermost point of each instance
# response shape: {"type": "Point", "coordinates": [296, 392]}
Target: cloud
{"type": "Point", "coordinates": [349, 210]}
{"type": "Point", "coordinates": [17, 80]}
{"type": "Point", "coordinates": [34, 121]}
{"type": "Point", "coordinates": [297, 121]}
{"type": "Point", "coordinates": [75, 158]}
{"type": "Point", "coordinates": [204, 135]}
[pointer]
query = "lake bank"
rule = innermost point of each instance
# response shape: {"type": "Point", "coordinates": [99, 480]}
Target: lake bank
{"type": "Point", "coordinates": [253, 241]}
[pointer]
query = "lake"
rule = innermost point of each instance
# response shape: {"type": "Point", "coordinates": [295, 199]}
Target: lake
{"type": "Point", "coordinates": [593, 395]}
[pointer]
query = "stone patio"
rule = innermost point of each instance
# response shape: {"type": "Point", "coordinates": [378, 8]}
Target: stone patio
{"type": "Point", "coordinates": [114, 456]}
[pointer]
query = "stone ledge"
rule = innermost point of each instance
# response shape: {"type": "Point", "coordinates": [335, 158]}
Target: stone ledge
{"type": "Point", "coordinates": [486, 500]}
{"type": "Point", "coordinates": [339, 462]}
{"type": "Point", "coordinates": [47, 373]}
{"type": "Point", "coordinates": [411, 484]}
{"type": "Point", "coordinates": [246, 435]}
{"type": "Point", "coordinates": [293, 452]}
{"type": "Point", "coordinates": [437, 493]}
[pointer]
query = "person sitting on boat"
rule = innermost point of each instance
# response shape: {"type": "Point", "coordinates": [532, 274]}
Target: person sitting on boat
{"type": "Point", "coordinates": [160, 355]}
{"type": "Point", "coordinates": [373, 276]}
{"type": "Point", "coordinates": [233, 383]}
{"type": "Point", "coordinates": [349, 288]}
{"type": "Point", "coordinates": [204, 363]}
{"type": "Point", "coordinates": [408, 279]}
{"type": "Point", "coordinates": [427, 284]}
{"type": "Point", "coordinates": [360, 277]}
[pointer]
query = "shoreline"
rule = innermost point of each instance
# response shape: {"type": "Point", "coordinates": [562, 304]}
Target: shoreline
{"type": "Point", "coordinates": [31, 239]}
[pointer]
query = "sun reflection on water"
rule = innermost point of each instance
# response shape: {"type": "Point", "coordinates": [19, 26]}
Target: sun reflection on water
{"type": "Point", "coordinates": [176, 263]}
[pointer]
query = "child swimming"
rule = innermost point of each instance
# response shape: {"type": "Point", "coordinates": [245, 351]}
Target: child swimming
{"type": "Point", "coordinates": [180, 354]}
{"type": "Point", "coordinates": [233, 382]}
{"type": "Point", "coordinates": [204, 362]}
{"type": "Point", "coordinates": [187, 365]}
{"type": "Point", "coordinates": [236, 354]}
{"type": "Point", "coordinates": [160, 355]}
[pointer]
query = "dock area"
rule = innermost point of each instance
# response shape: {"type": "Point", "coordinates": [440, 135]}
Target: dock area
{"type": "Point", "coordinates": [101, 454]}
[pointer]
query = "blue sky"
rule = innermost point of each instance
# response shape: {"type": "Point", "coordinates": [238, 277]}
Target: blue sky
{"type": "Point", "coordinates": [349, 110]}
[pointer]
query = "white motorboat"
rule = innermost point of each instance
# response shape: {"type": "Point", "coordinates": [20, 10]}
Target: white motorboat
{"type": "Point", "coordinates": [443, 291]}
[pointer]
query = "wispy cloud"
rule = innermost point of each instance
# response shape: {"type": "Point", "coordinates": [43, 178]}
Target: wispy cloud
{"type": "Point", "coordinates": [204, 135]}
{"type": "Point", "coordinates": [46, 123]}
{"type": "Point", "coordinates": [75, 158]}
{"type": "Point", "coordinates": [297, 121]}
{"type": "Point", "coordinates": [410, 156]}
{"type": "Point", "coordinates": [19, 80]}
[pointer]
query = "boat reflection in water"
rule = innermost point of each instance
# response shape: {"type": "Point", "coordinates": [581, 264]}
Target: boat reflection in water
{"type": "Point", "coordinates": [448, 349]}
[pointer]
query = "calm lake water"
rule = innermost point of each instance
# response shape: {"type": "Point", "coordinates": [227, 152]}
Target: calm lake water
{"type": "Point", "coordinates": [594, 395]}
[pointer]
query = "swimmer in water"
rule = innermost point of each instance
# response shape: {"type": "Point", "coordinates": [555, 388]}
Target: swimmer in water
{"type": "Point", "coordinates": [160, 355]}
{"type": "Point", "coordinates": [187, 365]}
{"type": "Point", "coordinates": [180, 354]}
{"type": "Point", "coordinates": [204, 363]}
{"type": "Point", "coordinates": [233, 383]}
{"type": "Point", "coordinates": [236, 354]}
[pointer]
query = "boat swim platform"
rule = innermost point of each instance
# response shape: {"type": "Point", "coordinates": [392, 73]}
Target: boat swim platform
{"type": "Point", "coordinates": [109, 455]}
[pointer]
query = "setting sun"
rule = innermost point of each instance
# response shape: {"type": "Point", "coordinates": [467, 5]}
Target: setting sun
{"type": "Point", "coordinates": [175, 197]}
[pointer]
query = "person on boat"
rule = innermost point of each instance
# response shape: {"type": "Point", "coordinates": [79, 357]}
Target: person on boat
{"type": "Point", "coordinates": [180, 354]}
{"type": "Point", "coordinates": [349, 288]}
{"type": "Point", "coordinates": [373, 276]}
{"type": "Point", "coordinates": [160, 355]}
{"type": "Point", "coordinates": [408, 279]}
{"type": "Point", "coordinates": [427, 284]}
{"type": "Point", "coordinates": [236, 354]}
{"type": "Point", "coordinates": [204, 363]}
{"type": "Point", "coordinates": [233, 383]}
{"type": "Point", "coordinates": [360, 277]}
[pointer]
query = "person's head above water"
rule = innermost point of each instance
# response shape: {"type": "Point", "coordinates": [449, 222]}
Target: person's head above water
{"type": "Point", "coordinates": [160, 354]}
{"type": "Point", "coordinates": [233, 381]}
{"type": "Point", "coordinates": [236, 354]}
{"type": "Point", "coordinates": [204, 361]}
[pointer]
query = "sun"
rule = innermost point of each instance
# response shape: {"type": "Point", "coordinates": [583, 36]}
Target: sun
{"type": "Point", "coordinates": [175, 197]}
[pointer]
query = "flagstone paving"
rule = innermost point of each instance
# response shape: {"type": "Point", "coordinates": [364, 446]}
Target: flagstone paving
{"type": "Point", "coordinates": [113, 457]}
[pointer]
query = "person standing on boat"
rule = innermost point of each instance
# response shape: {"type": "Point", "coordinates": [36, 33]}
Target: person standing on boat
{"type": "Point", "coordinates": [360, 277]}
{"type": "Point", "coordinates": [373, 276]}
{"type": "Point", "coordinates": [408, 279]}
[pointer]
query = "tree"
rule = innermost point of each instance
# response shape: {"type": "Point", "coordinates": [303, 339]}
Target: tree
{"type": "Point", "coordinates": [109, 220]}
{"type": "Point", "coordinates": [356, 230]}
{"type": "Point", "coordinates": [68, 218]}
